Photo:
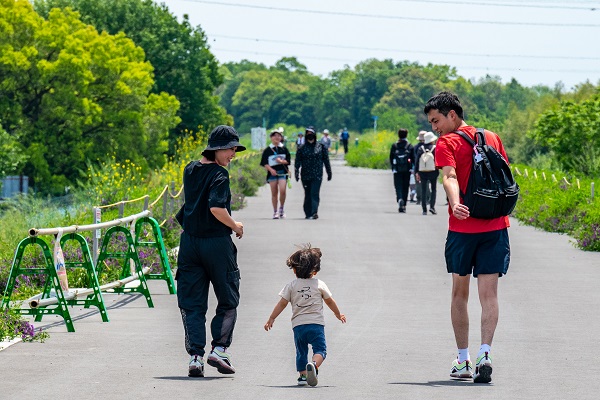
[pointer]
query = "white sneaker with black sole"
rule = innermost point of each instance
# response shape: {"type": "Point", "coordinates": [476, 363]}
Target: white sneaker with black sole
{"type": "Point", "coordinates": [196, 367]}
{"type": "Point", "coordinates": [221, 360]}
{"type": "Point", "coordinates": [483, 369]}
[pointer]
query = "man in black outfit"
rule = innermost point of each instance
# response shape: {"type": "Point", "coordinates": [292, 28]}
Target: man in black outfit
{"type": "Point", "coordinates": [207, 255]}
{"type": "Point", "coordinates": [309, 163]}
{"type": "Point", "coordinates": [401, 160]}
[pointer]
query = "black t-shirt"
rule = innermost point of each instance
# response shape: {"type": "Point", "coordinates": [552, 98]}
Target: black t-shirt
{"type": "Point", "coordinates": [205, 186]}
{"type": "Point", "coordinates": [271, 152]}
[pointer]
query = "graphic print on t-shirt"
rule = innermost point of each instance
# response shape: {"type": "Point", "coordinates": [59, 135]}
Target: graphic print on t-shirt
{"type": "Point", "coordinates": [273, 159]}
{"type": "Point", "coordinates": [305, 296]}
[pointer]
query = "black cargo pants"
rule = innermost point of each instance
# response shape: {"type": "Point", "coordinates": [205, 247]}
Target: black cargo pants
{"type": "Point", "coordinates": [202, 261]}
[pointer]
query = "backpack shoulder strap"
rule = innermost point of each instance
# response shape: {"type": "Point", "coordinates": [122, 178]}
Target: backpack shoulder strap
{"type": "Point", "coordinates": [480, 136]}
{"type": "Point", "coordinates": [466, 137]}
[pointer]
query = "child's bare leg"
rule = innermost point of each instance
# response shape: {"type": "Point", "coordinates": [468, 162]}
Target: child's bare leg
{"type": "Point", "coordinates": [318, 359]}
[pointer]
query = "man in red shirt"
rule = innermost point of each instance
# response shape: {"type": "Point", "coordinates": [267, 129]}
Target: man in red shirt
{"type": "Point", "coordinates": [473, 246]}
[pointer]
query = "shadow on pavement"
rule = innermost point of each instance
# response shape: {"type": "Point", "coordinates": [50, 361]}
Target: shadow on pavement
{"type": "Point", "coordinates": [187, 378]}
{"type": "Point", "coordinates": [118, 304]}
{"type": "Point", "coordinates": [454, 382]}
{"type": "Point", "coordinates": [295, 386]}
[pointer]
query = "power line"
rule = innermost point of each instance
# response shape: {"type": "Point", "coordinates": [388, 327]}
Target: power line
{"type": "Point", "coordinates": [394, 17]}
{"type": "Point", "coordinates": [403, 51]}
{"type": "Point", "coordinates": [493, 4]}
{"type": "Point", "coordinates": [260, 53]}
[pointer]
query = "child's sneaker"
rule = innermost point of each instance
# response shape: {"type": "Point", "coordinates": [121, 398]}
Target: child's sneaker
{"type": "Point", "coordinates": [312, 373]}
{"type": "Point", "coordinates": [196, 367]}
{"type": "Point", "coordinates": [463, 370]}
{"type": "Point", "coordinates": [275, 215]}
{"type": "Point", "coordinates": [483, 369]}
{"type": "Point", "coordinates": [302, 380]}
{"type": "Point", "coordinates": [221, 360]}
{"type": "Point", "coordinates": [281, 213]}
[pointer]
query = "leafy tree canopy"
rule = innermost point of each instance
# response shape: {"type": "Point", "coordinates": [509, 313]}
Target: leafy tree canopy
{"type": "Point", "coordinates": [179, 53]}
{"type": "Point", "coordinates": [71, 94]}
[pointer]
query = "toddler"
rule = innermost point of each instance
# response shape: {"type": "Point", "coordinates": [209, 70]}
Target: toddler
{"type": "Point", "coordinates": [307, 294]}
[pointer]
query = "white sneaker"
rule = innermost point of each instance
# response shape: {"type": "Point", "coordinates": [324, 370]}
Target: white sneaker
{"type": "Point", "coordinates": [483, 369]}
{"type": "Point", "coordinates": [221, 360]}
{"type": "Point", "coordinates": [196, 366]}
{"type": "Point", "coordinates": [463, 370]}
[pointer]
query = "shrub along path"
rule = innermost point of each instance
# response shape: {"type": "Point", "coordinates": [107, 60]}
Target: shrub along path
{"type": "Point", "coordinates": [386, 270]}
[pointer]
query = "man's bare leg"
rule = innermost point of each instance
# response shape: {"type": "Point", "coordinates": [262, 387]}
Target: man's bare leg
{"type": "Point", "coordinates": [487, 285]}
{"type": "Point", "coordinates": [459, 312]}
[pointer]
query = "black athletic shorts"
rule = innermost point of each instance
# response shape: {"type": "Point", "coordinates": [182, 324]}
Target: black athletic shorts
{"type": "Point", "coordinates": [477, 253]}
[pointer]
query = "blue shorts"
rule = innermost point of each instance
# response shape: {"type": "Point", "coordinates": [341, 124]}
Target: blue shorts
{"type": "Point", "coordinates": [304, 335]}
{"type": "Point", "coordinates": [478, 253]}
{"type": "Point", "coordinates": [272, 178]}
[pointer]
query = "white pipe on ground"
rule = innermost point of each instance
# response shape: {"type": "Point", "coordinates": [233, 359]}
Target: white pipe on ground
{"type": "Point", "coordinates": [35, 301]}
{"type": "Point", "coordinates": [91, 227]}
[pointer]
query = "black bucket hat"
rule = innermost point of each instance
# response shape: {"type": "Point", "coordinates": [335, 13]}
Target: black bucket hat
{"type": "Point", "coordinates": [224, 137]}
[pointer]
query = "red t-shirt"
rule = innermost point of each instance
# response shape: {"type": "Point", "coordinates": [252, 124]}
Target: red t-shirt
{"type": "Point", "coordinates": [452, 150]}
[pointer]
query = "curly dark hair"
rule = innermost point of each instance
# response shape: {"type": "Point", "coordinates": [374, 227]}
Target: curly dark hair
{"type": "Point", "coordinates": [306, 261]}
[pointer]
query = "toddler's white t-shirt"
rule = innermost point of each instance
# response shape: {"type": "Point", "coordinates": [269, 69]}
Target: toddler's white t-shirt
{"type": "Point", "coordinates": [306, 297]}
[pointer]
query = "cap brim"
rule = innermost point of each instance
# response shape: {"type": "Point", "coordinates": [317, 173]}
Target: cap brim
{"type": "Point", "coordinates": [234, 143]}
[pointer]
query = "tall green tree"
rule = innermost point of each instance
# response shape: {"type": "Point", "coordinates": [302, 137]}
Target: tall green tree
{"type": "Point", "coordinates": [71, 94]}
{"type": "Point", "coordinates": [12, 154]}
{"type": "Point", "coordinates": [370, 85]}
{"type": "Point", "coordinates": [232, 78]}
{"type": "Point", "coordinates": [183, 64]}
{"type": "Point", "coordinates": [337, 99]}
{"type": "Point", "coordinates": [572, 132]}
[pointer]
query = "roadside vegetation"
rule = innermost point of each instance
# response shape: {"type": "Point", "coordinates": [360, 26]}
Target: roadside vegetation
{"type": "Point", "coordinates": [107, 100]}
{"type": "Point", "coordinates": [109, 182]}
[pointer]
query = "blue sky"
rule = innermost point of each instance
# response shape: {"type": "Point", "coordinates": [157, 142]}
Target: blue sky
{"type": "Point", "coordinates": [536, 42]}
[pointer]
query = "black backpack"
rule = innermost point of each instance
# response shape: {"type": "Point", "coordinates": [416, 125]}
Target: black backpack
{"type": "Point", "coordinates": [492, 191]}
{"type": "Point", "coordinates": [402, 156]}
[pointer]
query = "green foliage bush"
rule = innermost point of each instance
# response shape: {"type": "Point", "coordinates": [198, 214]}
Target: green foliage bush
{"type": "Point", "coordinates": [571, 132]}
{"type": "Point", "coordinates": [373, 150]}
{"type": "Point", "coordinates": [561, 204]}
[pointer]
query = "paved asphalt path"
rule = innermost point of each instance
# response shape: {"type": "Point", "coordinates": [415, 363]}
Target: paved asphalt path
{"type": "Point", "coordinates": [386, 271]}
